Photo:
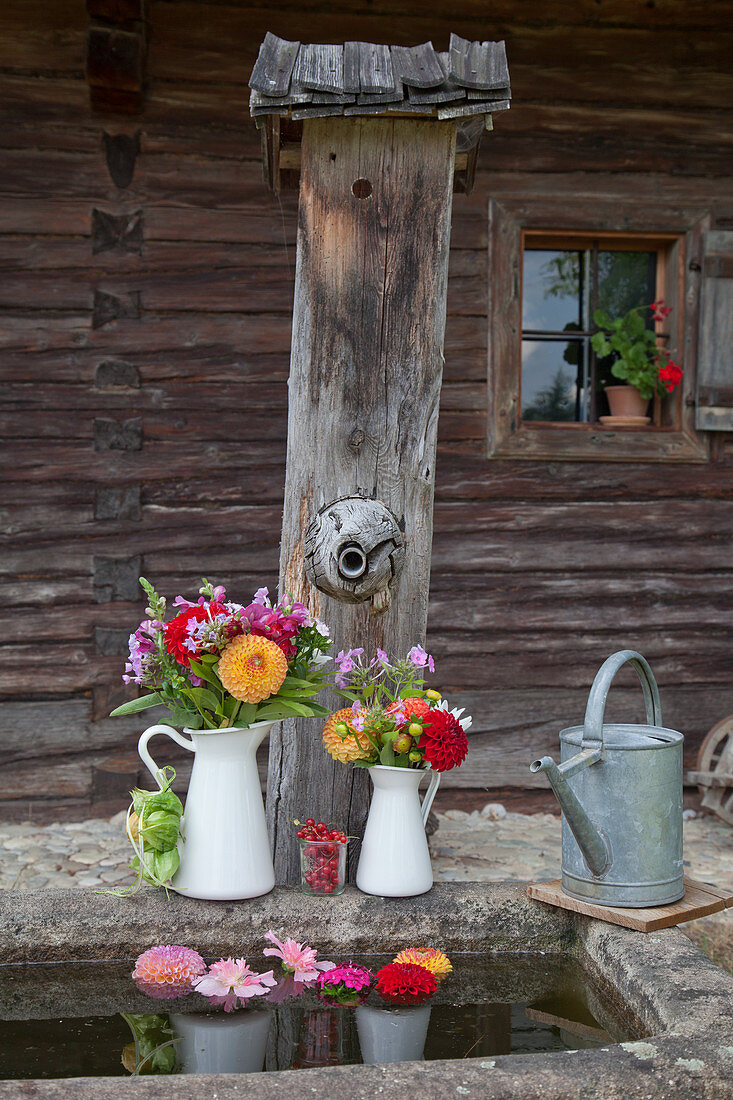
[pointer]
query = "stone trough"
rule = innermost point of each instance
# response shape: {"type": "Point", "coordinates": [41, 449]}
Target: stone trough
{"type": "Point", "coordinates": [676, 998]}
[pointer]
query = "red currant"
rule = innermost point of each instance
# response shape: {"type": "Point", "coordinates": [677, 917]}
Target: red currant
{"type": "Point", "coordinates": [310, 821]}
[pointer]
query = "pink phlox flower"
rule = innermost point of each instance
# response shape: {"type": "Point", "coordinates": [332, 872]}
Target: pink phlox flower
{"type": "Point", "coordinates": [346, 663]}
{"type": "Point", "coordinates": [381, 658]}
{"type": "Point", "coordinates": [353, 977]}
{"type": "Point", "coordinates": [231, 980]}
{"type": "Point", "coordinates": [358, 716]}
{"type": "Point", "coordinates": [420, 658]}
{"type": "Point", "coordinates": [464, 723]}
{"type": "Point", "coordinates": [398, 714]}
{"type": "Point", "coordinates": [297, 958]}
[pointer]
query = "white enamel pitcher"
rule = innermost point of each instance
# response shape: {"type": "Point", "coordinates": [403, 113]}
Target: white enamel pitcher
{"type": "Point", "coordinates": [395, 860]}
{"type": "Point", "coordinates": [225, 851]}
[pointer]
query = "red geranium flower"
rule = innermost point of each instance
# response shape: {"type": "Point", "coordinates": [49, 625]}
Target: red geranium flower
{"type": "Point", "coordinates": [444, 741]}
{"type": "Point", "coordinates": [405, 983]}
{"type": "Point", "coordinates": [176, 633]}
{"type": "Point", "coordinates": [670, 375]}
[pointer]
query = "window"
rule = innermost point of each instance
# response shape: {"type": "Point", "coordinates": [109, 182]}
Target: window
{"type": "Point", "coordinates": [563, 283]}
{"type": "Point", "coordinates": [546, 385]}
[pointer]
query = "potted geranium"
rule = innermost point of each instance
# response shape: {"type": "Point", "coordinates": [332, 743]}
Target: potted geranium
{"type": "Point", "coordinates": [399, 731]}
{"type": "Point", "coordinates": [643, 367]}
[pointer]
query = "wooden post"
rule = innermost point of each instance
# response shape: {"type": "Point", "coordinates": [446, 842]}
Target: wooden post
{"type": "Point", "coordinates": [365, 378]}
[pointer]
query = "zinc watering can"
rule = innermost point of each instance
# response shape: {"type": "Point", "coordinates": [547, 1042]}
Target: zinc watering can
{"type": "Point", "coordinates": [620, 789]}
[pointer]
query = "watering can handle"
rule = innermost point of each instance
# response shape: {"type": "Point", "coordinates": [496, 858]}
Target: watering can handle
{"type": "Point", "coordinates": [430, 795]}
{"type": "Point", "coordinates": [142, 747]}
{"type": "Point", "coordinates": [593, 725]}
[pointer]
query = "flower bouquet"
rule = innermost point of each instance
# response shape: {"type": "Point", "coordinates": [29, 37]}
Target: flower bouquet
{"type": "Point", "coordinates": [392, 719]}
{"type": "Point", "coordinates": [217, 664]}
{"type": "Point", "coordinates": [399, 730]}
{"type": "Point", "coordinates": [225, 672]}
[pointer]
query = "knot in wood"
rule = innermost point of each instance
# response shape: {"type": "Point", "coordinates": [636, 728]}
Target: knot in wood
{"type": "Point", "coordinates": [353, 549]}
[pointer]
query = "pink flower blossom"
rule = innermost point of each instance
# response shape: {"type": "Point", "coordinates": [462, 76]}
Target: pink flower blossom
{"type": "Point", "coordinates": [230, 981]}
{"type": "Point", "coordinates": [353, 977]}
{"type": "Point", "coordinates": [168, 970]}
{"type": "Point", "coordinates": [420, 658]}
{"type": "Point", "coordinates": [297, 958]}
{"type": "Point", "coordinates": [345, 662]}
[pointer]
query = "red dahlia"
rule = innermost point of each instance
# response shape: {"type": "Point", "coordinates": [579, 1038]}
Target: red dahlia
{"type": "Point", "coordinates": [444, 741]}
{"type": "Point", "coordinates": [176, 634]}
{"type": "Point", "coordinates": [405, 983]}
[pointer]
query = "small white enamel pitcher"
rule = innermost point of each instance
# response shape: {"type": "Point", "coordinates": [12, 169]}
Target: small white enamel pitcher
{"type": "Point", "coordinates": [395, 860]}
{"type": "Point", "coordinates": [225, 851]}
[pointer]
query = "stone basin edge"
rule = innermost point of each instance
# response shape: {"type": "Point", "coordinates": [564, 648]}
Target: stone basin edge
{"type": "Point", "coordinates": [684, 1001]}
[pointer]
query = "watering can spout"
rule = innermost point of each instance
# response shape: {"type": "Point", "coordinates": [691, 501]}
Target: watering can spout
{"type": "Point", "coordinates": [592, 843]}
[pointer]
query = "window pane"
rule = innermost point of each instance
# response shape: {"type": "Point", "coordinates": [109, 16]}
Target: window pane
{"type": "Point", "coordinates": [551, 289]}
{"type": "Point", "coordinates": [552, 380]}
{"type": "Point", "coordinates": [626, 280]}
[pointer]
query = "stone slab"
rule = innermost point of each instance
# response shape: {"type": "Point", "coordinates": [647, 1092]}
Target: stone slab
{"type": "Point", "coordinates": [683, 1002]}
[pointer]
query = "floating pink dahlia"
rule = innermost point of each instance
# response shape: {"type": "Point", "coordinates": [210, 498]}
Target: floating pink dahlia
{"type": "Point", "coordinates": [231, 980]}
{"type": "Point", "coordinates": [168, 970]}
{"type": "Point", "coordinates": [297, 958]}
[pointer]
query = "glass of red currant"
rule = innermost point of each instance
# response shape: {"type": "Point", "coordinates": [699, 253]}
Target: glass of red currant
{"type": "Point", "coordinates": [322, 858]}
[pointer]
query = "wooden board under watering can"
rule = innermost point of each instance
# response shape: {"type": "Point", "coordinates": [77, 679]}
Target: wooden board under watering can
{"type": "Point", "coordinates": [700, 900]}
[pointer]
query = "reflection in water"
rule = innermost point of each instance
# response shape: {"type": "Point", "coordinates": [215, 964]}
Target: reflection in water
{"type": "Point", "coordinates": [486, 1007]}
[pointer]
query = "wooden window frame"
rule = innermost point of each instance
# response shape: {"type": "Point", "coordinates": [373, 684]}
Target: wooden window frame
{"type": "Point", "coordinates": [670, 437]}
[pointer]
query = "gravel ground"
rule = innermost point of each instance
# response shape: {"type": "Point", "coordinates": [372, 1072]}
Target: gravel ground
{"type": "Point", "coordinates": [481, 846]}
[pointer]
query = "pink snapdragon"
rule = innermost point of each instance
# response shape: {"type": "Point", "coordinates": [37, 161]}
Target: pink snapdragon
{"type": "Point", "coordinates": [231, 982]}
{"type": "Point", "coordinates": [297, 958]}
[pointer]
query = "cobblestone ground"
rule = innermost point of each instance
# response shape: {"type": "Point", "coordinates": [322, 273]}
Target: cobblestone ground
{"type": "Point", "coordinates": [482, 846]}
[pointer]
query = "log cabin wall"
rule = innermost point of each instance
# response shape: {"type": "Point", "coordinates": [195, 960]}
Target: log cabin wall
{"type": "Point", "coordinates": [145, 306]}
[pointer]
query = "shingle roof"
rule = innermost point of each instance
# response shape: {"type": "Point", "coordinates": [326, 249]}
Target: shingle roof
{"type": "Point", "coordinates": [363, 78]}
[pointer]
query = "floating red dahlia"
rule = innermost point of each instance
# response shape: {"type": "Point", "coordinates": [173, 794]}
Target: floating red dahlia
{"type": "Point", "coordinates": [405, 983]}
{"type": "Point", "coordinates": [443, 741]}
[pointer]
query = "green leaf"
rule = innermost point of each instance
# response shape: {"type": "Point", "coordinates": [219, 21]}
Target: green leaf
{"type": "Point", "coordinates": [362, 763]}
{"type": "Point", "coordinates": [204, 673]}
{"type": "Point", "coordinates": [247, 714]}
{"type": "Point", "coordinates": [387, 756]}
{"type": "Point", "coordinates": [166, 864]}
{"type": "Point", "coordinates": [136, 705]}
{"type": "Point", "coordinates": [295, 682]}
{"type": "Point", "coordinates": [204, 698]}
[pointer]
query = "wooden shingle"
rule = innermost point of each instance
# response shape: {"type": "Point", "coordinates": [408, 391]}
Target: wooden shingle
{"type": "Point", "coordinates": [320, 68]}
{"type": "Point", "coordinates": [478, 64]}
{"type": "Point", "coordinates": [375, 68]}
{"type": "Point", "coordinates": [274, 66]}
{"type": "Point", "coordinates": [417, 66]}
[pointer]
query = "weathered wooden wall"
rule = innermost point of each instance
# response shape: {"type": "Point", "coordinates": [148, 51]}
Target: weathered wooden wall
{"type": "Point", "coordinates": [145, 359]}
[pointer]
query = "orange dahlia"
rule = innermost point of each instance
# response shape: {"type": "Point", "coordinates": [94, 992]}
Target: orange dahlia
{"type": "Point", "coordinates": [344, 748]}
{"type": "Point", "coordinates": [433, 960]}
{"type": "Point", "coordinates": [252, 668]}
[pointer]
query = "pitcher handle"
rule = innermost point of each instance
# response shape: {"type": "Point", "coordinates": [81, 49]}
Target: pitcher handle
{"type": "Point", "coordinates": [593, 725]}
{"type": "Point", "coordinates": [429, 796]}
{"type": "Point", "coordinates": [142, 747]}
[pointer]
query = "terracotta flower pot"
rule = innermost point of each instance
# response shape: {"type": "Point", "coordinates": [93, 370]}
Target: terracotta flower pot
{"type": "Point", "coordinates": [626, 401]}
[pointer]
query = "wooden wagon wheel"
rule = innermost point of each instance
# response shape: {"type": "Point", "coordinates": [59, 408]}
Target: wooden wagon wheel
{"type": "Point", "coordinates": [714, 775]}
